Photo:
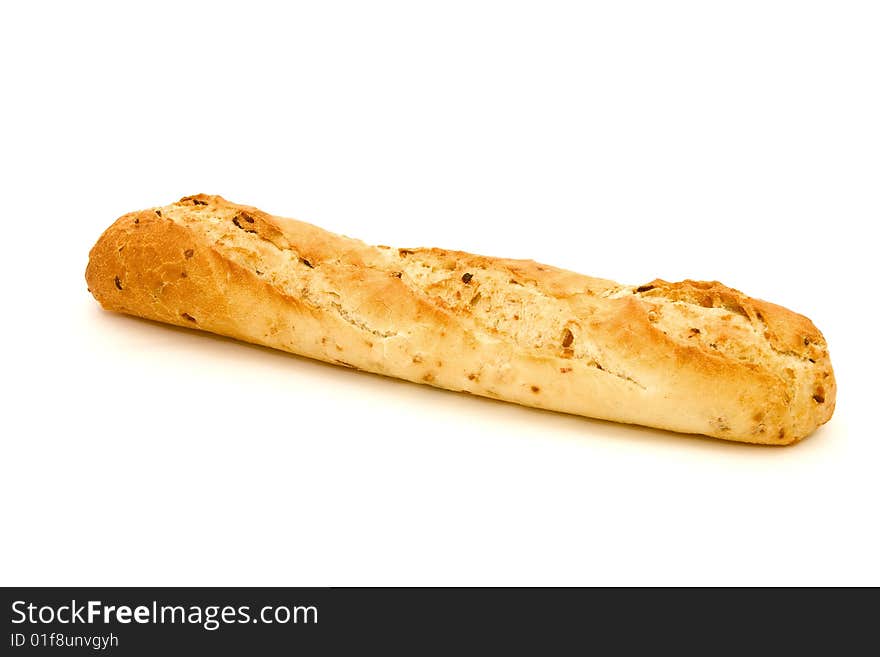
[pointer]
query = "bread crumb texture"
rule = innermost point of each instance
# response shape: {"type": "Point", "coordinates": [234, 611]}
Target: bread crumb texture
{"type": "Point", "coordinates": [694, 356]}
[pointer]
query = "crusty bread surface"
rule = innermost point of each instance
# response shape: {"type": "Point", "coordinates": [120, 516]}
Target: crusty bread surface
{"type": "Point", "coordinates": [694, 357]}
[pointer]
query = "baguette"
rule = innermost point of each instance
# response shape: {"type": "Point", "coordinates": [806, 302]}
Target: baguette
{"type": "Point", "coordinates": [693, 357]}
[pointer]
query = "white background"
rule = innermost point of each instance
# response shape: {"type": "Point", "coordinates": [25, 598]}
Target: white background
{"type": "Point", "coordinates": [735, 141]}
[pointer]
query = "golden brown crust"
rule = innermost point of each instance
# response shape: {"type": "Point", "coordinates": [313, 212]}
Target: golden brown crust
{"type": "Point", "coordinates": [693, 356]}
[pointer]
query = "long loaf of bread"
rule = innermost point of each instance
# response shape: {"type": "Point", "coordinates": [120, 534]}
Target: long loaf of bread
{"type": "Point", "coordinates": [695, 357]}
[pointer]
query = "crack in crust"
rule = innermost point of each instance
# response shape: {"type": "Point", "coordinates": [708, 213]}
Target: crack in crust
{"type": "Point", "coordinates": [344, 314]}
